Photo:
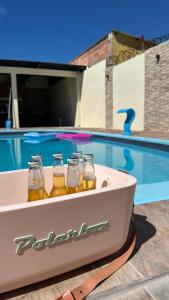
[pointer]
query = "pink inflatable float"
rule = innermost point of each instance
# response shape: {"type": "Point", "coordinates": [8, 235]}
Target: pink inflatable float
{"type": "Point", "coordinates": [75, 136]}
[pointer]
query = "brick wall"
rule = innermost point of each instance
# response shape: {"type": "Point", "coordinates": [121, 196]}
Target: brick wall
{"type": "Point", "coordinates": [93, 55]}
{"type": "Point", "coordinates": [156, 111]}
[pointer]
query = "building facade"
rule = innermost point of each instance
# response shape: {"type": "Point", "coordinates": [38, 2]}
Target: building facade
{"type": "Point", "coordinates": [119, 71]}
{"type": "Point", "coordinates": [135, 75]}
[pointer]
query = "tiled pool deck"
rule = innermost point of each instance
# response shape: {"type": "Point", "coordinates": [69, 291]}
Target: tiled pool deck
{"type": "Point", "coordinates": [144, 276]}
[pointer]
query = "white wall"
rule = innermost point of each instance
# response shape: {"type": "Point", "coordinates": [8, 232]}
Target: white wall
{"type": "Point", "coordinates": [128, 91]}
{"type": "Point", "coordinates": [93, 96]}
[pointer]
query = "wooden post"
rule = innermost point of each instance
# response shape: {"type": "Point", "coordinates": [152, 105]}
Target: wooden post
{"type": "Point", "coordinates": [78, 104]}
{"type": "Point", "coordinates": [15, 101]}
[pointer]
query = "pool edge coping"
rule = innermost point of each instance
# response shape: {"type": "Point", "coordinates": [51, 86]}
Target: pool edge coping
{"type": "Point", "coordinates": [96, 133]}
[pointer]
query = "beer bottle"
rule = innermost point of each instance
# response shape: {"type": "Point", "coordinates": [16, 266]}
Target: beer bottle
{"type": "Point", "coordinates": [35, 185]}
{"type": "Point", "coordinates": [73, 176]}
{"type": "Point", "coordinates": [59, 187]}
{"type": "Point", "coordinates": [89, 178]}
{"type": "Point", "coordinates": [79, 156]}
{"type": "Point", "coordinates": [38, 157]}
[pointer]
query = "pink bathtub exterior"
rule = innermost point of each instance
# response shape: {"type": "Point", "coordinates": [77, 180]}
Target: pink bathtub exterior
{"type": "Point", "coordinates": [19, 218]}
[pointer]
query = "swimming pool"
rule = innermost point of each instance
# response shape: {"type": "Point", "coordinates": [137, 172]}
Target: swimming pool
{"type": "Point", "coordinates": [149, 166]}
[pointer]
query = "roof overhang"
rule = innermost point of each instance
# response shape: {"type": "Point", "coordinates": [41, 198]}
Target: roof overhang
{"type": "Point", "coordinates": [40, 65]}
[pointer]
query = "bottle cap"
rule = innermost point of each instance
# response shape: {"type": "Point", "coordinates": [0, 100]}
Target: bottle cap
{"type": "Point", "coordinates": [72, 161]}
{"type": "Point", "coordinates": [78, 154]}
{"type": "Point", "coordinates": [87, 156]}
{"type": "Point", "coordinates": [33, 163]}
{"type": "Point", "coordinates": [37, 157]}
{"type": "Point", "coordinates": [58, 155]}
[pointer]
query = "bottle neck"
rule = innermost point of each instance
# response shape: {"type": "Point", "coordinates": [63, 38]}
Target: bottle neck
{"type": "Point", "coordinates": [81, 165]}
{"type": "Point", "coordinates": [35, 179]}
{"type": "Point", "coordinates": [39, 159]}
{"type": "Point", "coordinates": [41, 166]}
{"type": "Point", "coordinates": [89, 172]}
{"type": "Point", "coordinates": [73, 176]}
{"type": "Point", "coordinates": [58, 173]}
{"type": "Point", "coordinates": [78, 156]}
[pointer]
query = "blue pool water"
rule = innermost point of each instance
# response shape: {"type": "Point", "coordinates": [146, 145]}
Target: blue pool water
{"type": "Point", "coordinates": [149, 166]}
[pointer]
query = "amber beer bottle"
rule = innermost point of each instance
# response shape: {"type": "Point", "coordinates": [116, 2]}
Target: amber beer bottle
{"type": "Point", "coordinates": [59, 187]}
{"type": "Point", "coordinates": [79, 156]}
{"type": "Point", "coordinates": [38, 157]}
{"type": "Point", "coordinates": [35, 185]}
{"type": "Point", "coordinates": [89, 177]}
{"type": "Point", "coordinates": [73, 176]}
